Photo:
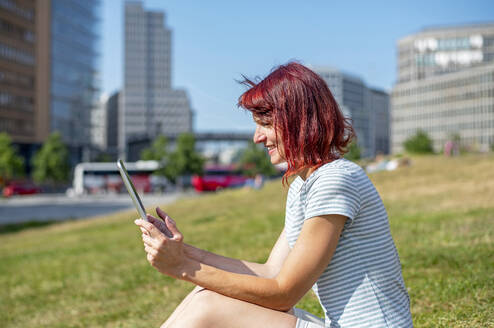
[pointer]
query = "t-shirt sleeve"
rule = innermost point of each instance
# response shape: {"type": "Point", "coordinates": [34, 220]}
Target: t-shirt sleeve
{"type": "Point", "coordinates": [334, 192]}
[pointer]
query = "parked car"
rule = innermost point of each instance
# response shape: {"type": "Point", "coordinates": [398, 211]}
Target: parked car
{"type": "Point", "coordinates": [20, 188]}
{"type": "Point", "coordinates": [217, 178]}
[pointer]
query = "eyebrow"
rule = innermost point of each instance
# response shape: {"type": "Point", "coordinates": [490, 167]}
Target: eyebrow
{"type": "Point", "coordinates": [259, 120]}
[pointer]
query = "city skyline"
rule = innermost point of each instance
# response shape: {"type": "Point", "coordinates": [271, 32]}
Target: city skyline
{"type": "Point", "coordinates": [214, 45]}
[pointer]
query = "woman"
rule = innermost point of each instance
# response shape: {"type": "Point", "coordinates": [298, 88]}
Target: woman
{"type": "Point", "coordinates": [336, 237]}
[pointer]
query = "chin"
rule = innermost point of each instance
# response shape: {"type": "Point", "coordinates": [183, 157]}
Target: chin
{"type": "Point", "coordinates": [277, 160]}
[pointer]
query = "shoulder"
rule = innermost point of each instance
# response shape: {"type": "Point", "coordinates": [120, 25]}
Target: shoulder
{"type": "Point", "coordinates": [333, 189]}
{"type": "Point", "coordinates": [340, 172]}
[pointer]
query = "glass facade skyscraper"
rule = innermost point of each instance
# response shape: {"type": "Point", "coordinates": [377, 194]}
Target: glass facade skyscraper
{"type": "Point", "coordinates": [48, 71]}
{"type": "Point", "coordinates": [74, 90]}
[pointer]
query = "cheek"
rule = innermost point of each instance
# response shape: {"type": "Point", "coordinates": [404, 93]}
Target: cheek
{"type": "Point", "coordinates": [281, 151]}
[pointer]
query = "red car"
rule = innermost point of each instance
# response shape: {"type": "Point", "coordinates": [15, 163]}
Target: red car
{"type": "Point", "coordinates": [20, 188]}
{"type": "Point", "coordinates": [217, 178]}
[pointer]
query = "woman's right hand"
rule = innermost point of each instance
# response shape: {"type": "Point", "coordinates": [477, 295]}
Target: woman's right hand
{"type": "Point", "coordinates": [160, 224]}
{"type": "Point", "coordinates": [166, 254]}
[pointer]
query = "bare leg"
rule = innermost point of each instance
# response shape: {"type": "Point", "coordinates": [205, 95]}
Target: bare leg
{"type": "Point", "coordinates": [209, 309]}
{"type": "Point", "coordinates": [181, 307]}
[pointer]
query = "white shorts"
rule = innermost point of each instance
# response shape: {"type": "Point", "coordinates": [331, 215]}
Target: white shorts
{"type": "Point", "coordinates": [307, 320]}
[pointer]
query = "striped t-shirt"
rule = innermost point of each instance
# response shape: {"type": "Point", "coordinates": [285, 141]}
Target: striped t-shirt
{"type": "Point", "coordinates": [362, 285]}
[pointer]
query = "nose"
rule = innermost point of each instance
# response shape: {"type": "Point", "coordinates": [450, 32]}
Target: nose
{"type": "Point", "coordinates": [258, 135]}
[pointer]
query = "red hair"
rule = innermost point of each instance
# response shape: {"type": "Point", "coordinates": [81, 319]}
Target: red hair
{"type": "Point", "coordinates": [304, 113]}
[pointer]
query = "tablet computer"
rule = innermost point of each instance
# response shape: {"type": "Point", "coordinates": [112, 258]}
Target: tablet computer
{"type": "Point", "coordinates": [131, 189]}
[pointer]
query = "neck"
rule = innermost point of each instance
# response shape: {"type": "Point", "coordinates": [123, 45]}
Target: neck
{"type": "Point", "coordinates": [305, 173]}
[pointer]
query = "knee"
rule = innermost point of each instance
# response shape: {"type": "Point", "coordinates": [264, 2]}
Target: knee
{"type": "Point", "coordinates": [205, 301]}
{"type": "Point", "coordinates": [204, 308]}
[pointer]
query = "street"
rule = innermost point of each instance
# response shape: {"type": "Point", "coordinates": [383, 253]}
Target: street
{"type": "Point", "coordinates": [59, 207]}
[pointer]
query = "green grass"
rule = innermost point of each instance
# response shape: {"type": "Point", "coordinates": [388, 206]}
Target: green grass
{"type": "Point", "coordinates": [94, 273]}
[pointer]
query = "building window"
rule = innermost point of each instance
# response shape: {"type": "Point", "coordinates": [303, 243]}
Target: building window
{"type": "Point", "coordinates": [17, 55]}
{"type": "Point", "coordinates": [13, 7]}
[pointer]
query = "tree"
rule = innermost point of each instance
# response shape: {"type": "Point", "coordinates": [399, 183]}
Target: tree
{"type": "Point", "coordinates": [420, 143]}
{"type": "Point", "coordinates": [185, 160]}
{"type": "Point", "coordinates": [254, 160]}
{"type": "Point", "coordinates": [157, 152]}
{"type": "Point", "coordinates": [11, 164]}
{"type": "Point", "coordinates": [353, 153]}
{"type": "Point", "coordinates": [51, 162]}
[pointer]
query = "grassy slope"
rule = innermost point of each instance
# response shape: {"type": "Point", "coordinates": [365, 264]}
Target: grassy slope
{"type": "Point", "coordinates": [94, 273]}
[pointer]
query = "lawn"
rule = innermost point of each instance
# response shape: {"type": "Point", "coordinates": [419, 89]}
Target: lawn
{"type": "Point", "coordinates": [93, 273]}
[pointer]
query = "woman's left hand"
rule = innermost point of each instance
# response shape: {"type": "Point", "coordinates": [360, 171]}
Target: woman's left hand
{"type": "Point", "coordinates": [164, 253]}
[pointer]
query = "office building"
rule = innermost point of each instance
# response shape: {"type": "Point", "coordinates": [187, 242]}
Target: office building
{"type": "Point", "coordinates": [112, 123]}
{"type": "Point", "coordinates": [24, 106]}
{"type": "Point", "coordinates": [150, 106]}
{"type": "Point", "coordinates": [445, 87]}
{"type": "Point", "coordinates": [99, 121]}
{"type": "Point", "coordinates": [48, 71]}
{"type": "Point", "coordinates": [379, 104]}
{"type": "Point", "coordinates": [75, 26]}
{"type": "Point", "coordinates": [364, 106]}
{"type": "Point", "coordinates": [104, 125]}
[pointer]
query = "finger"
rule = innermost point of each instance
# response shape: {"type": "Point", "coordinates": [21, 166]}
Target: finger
{"type": "Point", "coordinates": [151, 251]}
{"type": "Point", "coordinates": [144, 231]}
{"type": "Point", "coordinates": [150, 241]}
{"type": "Point", "coordinates": [170, 224]}
{"type": "Point", "coordinates": [153, 231]}
{"type": "Point", "coordinates": [152, 219]}
{"type": "Point", "coordinates": [149, 217]}
{"type": "Point", "coordinates": [162, 214]}
{"type": "Point", "coordinates": [141, 227]}
{"type": "Point", "coordinates": [157, 223]}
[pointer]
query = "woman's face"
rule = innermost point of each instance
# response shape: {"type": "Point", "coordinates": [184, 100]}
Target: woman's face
{"type": "Point", "coordinates": [265, 134]}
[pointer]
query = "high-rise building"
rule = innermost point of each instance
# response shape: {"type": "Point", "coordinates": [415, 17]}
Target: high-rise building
{"type": "Point", "coordinates": [445, 86]}
{"type": "Point", "coordinates": [150, 106]}
{"type": "Point", "coordinates": [379, 104]}
{"type": "Point", "coordinates": [99, 120]}
{"type": "Point", "coordinates": [362, 105]}
{"type": "Point", "coordinates": [24, 105]}
{"type": "Point", "coordinates": [112, 123]}
{"type": "Point", "coordinates": [48, 69]}
{"type": "Point", "coordinates": [75, 29]}
{"type": "Point", "coordinates": [104, 125]}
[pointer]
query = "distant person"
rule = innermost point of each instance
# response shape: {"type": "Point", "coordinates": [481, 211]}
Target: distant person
{"type": "Point", "coordinates": [336, 237]}
{"type": "Point", "coordinates": [256, 182]}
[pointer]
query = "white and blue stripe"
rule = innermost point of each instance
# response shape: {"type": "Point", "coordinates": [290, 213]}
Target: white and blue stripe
{"type": "Point", "coordinates": [362, 285]}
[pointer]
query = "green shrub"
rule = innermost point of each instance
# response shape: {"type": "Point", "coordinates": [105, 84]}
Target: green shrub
{"type": "Point", "coordinates": [420, 143]}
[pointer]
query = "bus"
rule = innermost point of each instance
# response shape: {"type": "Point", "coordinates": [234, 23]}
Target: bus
{"type": "Point", "coordinates": [92, 177]}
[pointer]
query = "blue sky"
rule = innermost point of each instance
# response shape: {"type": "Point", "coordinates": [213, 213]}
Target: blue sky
{"type": "Point", "coordinates": [214, 42]}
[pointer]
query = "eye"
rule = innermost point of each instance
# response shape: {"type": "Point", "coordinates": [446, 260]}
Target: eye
{"type": "Point", "coordinates": [263, 121]}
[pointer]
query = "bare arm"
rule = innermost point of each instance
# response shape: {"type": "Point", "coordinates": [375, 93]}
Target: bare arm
{"type": "Point", "coordinates": [267, 270]}
{"type": "Point", "coordinates": [301, 268]}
